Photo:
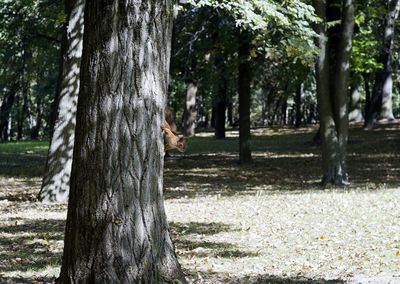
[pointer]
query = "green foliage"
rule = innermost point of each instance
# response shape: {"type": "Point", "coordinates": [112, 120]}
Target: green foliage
{"type": "Point", "coordinates": [30, 40]}
{"type": "Point", "coordinates": [279, 26]}
{"type": "Point", "coordinates": [282, 49]}
{"type": "Point", "coordinates": [367, 37]}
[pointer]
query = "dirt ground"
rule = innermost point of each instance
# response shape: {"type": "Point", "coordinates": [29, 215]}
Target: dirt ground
{"type": "Point", "coordinates": [268, 222]}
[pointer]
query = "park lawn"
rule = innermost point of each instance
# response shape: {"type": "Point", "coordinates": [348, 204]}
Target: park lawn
{"type": "Point", "coordinates": [267, 222]}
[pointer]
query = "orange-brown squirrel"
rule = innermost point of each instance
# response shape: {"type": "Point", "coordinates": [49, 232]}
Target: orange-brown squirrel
{"type": "Point", "coordinates": [171, 139]}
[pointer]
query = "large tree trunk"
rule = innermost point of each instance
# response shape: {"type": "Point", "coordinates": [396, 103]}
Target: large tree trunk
{"type": "Point", "coordinates": [381, 100]}
{"type": "Point", "coordinates": [55, 185]}
{"type": "Point", "coordinates": [190, 112]}
{"type": "Point", "coordinates": [244, 80]}
{"type": "Point", "coordinates": [355, 113]}
{"type": "Point", "coordinates": [5, 111]}
{"type": "Point", "coordinates": [116, 229]}
{"type": "Point", "coordinates": [332, 82]}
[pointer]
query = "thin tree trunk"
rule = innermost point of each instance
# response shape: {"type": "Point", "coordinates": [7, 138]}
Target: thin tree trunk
{"type": "Point", "coordinates": [230, 113]}
{"type": "Point", "coordinates": [275, 114]}
{"type": "Point", "coordinates": [5, 111]}
{"type": "Point", "coordinates": [35, 130]}
{"type": "Point", "coordinates": [366, 77]}
{"type": "Point", "coordinates": [190, 112]}
{"type": "Point", "coordinates": [298, 105]}
{"type": "Point", "coordinates": [355, 113]}
{"type": "Point", "coordinates": [244, 80]}
{"type": "Point", "coordinates": [116, 229]}
{"type": "Point", "coordinates": [381, 100]}
{"type": "Point", "coordinates": [220, 106]}
{"type": "Point", "coordinates": [284, 114]}
{"type": "Point", "coordinates": [20, 117]}
{"type": "Point", "coordinates": [54, 108]}
{"type": "Point", "coordinates": [56, 180]}
{"type": "Point", "coordinates": [26, 104]}
{"type": "Point", "coordinates": [341, 85]}
{"type": "Point", "coordinates": [213, 111]}
{"type": "Point", "coordinates": [264, 111]}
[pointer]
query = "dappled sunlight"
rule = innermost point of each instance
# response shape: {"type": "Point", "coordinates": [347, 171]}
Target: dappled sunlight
{"type": "Point", "coordinates": [267, 221]}
{"type": "Point", "coordinates": [316, 235]}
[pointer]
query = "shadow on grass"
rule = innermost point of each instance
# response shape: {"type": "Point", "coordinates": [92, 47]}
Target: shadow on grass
{"type": "Point", "coordinates": [270, 279]}
{"type": "Point", "coordinates": [184, 237]}
{"type": "Point", "coordinates": [284, 162]}
{"type": "Point", "coordinates": [264, 279]}
{"type": "Point", "coordinates": [30, 247]}
{"type": "Point", "coordinates": [22, 165]}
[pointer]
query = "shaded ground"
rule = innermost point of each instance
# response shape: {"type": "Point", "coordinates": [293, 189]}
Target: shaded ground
{"type": "Point", "coordinates": [268, 222]}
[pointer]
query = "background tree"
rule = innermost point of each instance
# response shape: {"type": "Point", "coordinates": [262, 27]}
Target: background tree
{"type": "Point", "coordinates": [381, 100]}
{"type": "Point", "coordinates": [30, 38]}
{"type": "Point", "coordinates": [55, 185]}
{"type": "Point", "coordinates": [116, 225]}
{"type": "Point", "coordinates": [332, 84]}
{"type": "Point", "coordinates": [244, 82]}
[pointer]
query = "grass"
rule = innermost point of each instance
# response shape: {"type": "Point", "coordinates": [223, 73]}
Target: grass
{"type": "Point", "coordinates": [25, 147]}
{"type": "Point", "coordinates": [23, 159]}
{"type": "Point", "coordinates": [267, 222]}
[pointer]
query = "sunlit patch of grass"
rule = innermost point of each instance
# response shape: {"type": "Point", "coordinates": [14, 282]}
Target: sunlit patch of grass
{"type": "Point", "coordinates": [25, 147]}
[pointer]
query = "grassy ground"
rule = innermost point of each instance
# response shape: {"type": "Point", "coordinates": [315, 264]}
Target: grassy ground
{"type": "Point", "coordinates": [268, 222]}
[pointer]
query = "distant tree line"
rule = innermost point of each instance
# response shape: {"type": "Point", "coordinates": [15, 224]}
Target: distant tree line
{"type": "Point", "coordinates": [233, 65]}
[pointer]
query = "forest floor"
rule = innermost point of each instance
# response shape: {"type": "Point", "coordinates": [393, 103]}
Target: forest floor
{"type": "Point", "coordinates": [267, 222]}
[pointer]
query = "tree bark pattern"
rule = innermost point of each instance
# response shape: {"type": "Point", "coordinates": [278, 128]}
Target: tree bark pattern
{"type": "Point", "coordinates": [116, 228]}
{"type": "Point", "coordinates": [56, 180]}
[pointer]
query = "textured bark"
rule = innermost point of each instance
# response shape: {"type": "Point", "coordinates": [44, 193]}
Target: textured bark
{"type": "Point", "coordinates": [380, 106]}
{"type": "Point", "coordinates": [332, 82]}
{"type": "Point", "coordinates": [355, 113]}
{"type": "Point", "coordinates": [56, 180]}
{"type": "Point", "coordinates": [244, 80]}
{"type": "Point", "coordinates": [190, 112]}
{"type": "Point", "coordinates": [116, 229]}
